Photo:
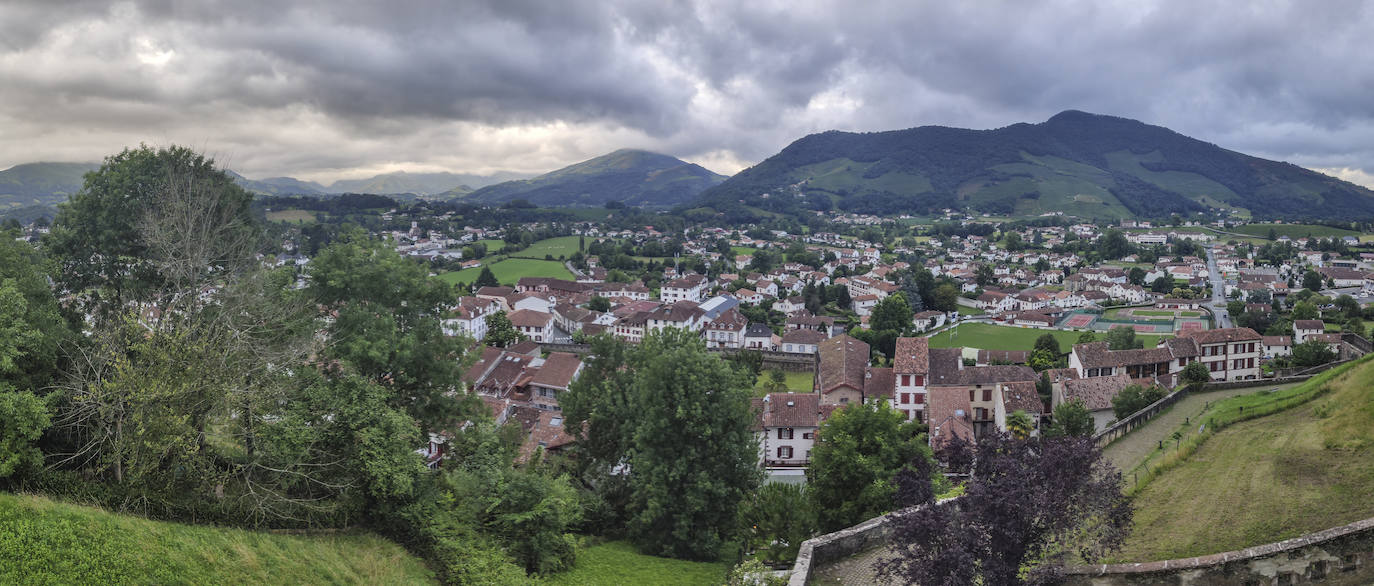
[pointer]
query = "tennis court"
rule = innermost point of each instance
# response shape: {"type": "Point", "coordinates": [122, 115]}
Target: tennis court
{"type": "Point", "coordinates": [1191, 325]}
{"type": "Point", "coordinates": [1078, 320]}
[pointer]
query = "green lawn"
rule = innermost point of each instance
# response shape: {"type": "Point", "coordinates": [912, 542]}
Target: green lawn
{"type": "Point", "coordinates": [1272, 478]}
{"type": "Point", "coordinates": [995, 337]}
{"type": "Point", "coordinates": [49, 542]}
{"type": "Point", "coordinates": [1163, 313]}
{"type": "Point", "coordinates": [799, 382]}
{"type": "Point", "coordinates": [1293, 230]}
{"type": "Point", "coordinates": [511, 270]}
{"type": "Point", "coordinates": [562, 246]}
{"type": "Point", "coordinates": [493, 246]}
{"type": "Point", "coordinates": [963, 310]}
{"type": "Point", "coordinates": [292, 216]}
{"type": "Point", "coordinates": [616, 563]}
{"type": "Point", "coordinates": [738, 250]}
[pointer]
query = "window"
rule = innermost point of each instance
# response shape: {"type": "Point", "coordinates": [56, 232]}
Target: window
{"type": "Point", "coordinates": [906, 380]}
{"type": "Point", "coordinates": [806, 435]}
{"type": "Point", "coordinates": [987, 394]}
{"type": "Point", "coordinates": [970, 395]}
{"type": "Point", "coordinates": [920, 417]}
{"type": "Point", "coordinates": [919, 398]}
{"type": "Point", "coordinates": [920, 381]}
{"type": "Point", "coordinates": [784, 433]}
{"type": "Point", "coordinates": [785, 453]}
{"type": "Point", "coordinates": [906, 398]}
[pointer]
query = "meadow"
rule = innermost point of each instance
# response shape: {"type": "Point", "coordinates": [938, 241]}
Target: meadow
{"type": "Point", "coordinates": [510, 270]}
{"type": "Point", "coordinates": [292, 216]}
{"type": "Point", "coordinates": [995, 337]}
{"type": "Point", "coordinates": [1305, 466]}
{"type": "Point", "coordinates": [797, 382]}
{"type": "Point", "coordinates": [1293, 230]}
{"type": "Point", "coordinates": [43, 541]}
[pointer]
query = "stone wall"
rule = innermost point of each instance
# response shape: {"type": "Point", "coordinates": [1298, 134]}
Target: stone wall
{"type": "Point", "coordinates": [1341, 555]}
{"type": "Point", "coordinates": [840, 544]}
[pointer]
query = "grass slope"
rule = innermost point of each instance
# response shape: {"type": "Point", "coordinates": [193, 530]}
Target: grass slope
{"type": "Point", "coordinates": [1293, 230]}
{"type": "Point", "coordinates": [616, 563]}
{"type": "Point", "coordinates": [562, 246]}
{"type": "Point", "coordinates": [1276, 477]}
{"type": "Point", "coordinates": [797, 382]}
{"type": "Point", "coordinates": [48, 542]}
{"type": "Point", "coordinates": [292, 216]}
{"type": "Point", "coordinates": [993, 337]}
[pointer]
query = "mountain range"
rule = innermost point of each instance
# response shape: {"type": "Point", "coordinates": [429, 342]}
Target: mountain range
{"type": "Point", "coordinates": [1081, 164]}
{"type": "Point", "coordinates": [630, 176]}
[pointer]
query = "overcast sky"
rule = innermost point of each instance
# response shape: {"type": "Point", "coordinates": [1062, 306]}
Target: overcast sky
{"type": "Point", "coordinates": [337, 89]}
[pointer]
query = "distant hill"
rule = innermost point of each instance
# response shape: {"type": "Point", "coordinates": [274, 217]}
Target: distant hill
{"type": "Point", "coordinates": [631, 176]}
{"type": "Point", "coordinates": [418, 183]}
{"type": "Point", "coordinates": [1087, 165]}
{"type": "Point", "coordinates": [41, 183]}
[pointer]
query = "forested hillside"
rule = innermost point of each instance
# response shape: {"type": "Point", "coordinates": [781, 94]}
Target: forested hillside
{"type": "Point", "coordinates": [1082, 164]}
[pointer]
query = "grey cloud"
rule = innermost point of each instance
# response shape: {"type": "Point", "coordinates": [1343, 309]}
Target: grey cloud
{"type": "Point", "coordinates": [505, 84]}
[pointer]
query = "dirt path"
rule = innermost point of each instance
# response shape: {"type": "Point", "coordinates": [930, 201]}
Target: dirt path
{"type": "Point", "coordinates": [1129, 452]}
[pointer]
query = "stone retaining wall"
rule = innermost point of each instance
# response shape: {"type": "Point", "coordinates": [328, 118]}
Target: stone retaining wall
{"type": "Point", "coordinates": [1340, 555]}
{"type": "Point", "coordinates": [843, 543]}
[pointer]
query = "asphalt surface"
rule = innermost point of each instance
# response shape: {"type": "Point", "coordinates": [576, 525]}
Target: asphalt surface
{"type": "Point", "coordinates": [1218, 303]}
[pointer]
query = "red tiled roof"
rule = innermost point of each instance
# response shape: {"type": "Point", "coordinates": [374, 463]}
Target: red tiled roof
{"type": "Point", "coordinates": [879, 383]}
{"type": "Point", "coordinates": [791, 410]}
{"type": "Point", "coordinates": [1097, 391]}
{"type": "Point", "coordinates": [912, 356]}
{"type": "Point", "coordinates": [842, 360]}
{"type": "Point", "coordinates": [1222, 335]}
{"type": "Point", "coordinates": [558, 370]}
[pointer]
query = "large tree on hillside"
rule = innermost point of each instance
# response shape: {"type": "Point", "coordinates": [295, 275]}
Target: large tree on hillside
{"type": "Point", "coordinates": [111, 238]}
{"type": "Point", "coordinates": [860, 449]}
{"type": "Point", "coordinates": [1029, 505]}
{"type": "Point", "coordinates": [388, 326]}
{"type": "Point", "coordinates": [680, 421]}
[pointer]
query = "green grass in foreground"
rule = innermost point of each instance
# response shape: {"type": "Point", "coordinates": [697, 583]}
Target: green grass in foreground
{"type": "Point", "coordinates": [616, 563]}
{"type": "Point", "coordinates": [995, 337]}
{"type": "Point", "coordinates": [49, 542]}
{"type": "Point", "coordinates": [511, 270]}
{"type": "Point", "coordinates": [797, 382]}
{"type": "Point", "coordinates": [1258, 481]}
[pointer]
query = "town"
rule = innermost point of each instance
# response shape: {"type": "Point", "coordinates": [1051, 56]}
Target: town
{"type": "Point", "coordinates": [943, 320]}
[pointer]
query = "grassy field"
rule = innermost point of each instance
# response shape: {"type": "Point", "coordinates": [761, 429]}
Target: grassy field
{"type": "Point", "coordinates": [292, 216]}
{"type": "Point", "coordinates": [800, 382]}
{"type": "Point", "coordinates": [616, 562]}
{"type": "Point", "coordinates": [49, 542]}
{"type": "Point", "coordinates": [1293, 230]}
{"type": "Point", "coordinates": [562, 246]}
{"type": "Point", "coordinates": [493, 246]}
{"type": "Point", "coordinates": [511, 270]}
{"type": "Point", "coordinates": [738, 250]}
{"type": "Point", "coordinates": [970, 310]}
{"type": "Point", "coordinates": [1267, 479]}
{"type": "Point", "coordinates": [994, 337]}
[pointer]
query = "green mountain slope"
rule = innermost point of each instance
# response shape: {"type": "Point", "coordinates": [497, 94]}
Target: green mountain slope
{"type": "Point", "coordinates": [49, 542]}
{"type": "Point", "coordinates": [418, 183]}
{"type": "Point", "coordinates": [1081, 164]}
{"type": "Point", "coordinates": [632, 176]}
{"type": "Point", "coordinates": [41, 183]}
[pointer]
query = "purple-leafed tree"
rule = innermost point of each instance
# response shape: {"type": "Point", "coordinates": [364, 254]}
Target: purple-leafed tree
{"type": "Point", "coordinates": [1029, 505]}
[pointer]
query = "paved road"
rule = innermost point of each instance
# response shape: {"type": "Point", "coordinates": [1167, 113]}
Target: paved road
{"type": "Point", "coordinates": [1218, 303]}
{"type": "Point", "coordinates": [1131, 451]}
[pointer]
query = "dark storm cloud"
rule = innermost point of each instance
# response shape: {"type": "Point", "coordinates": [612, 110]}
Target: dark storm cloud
{"type": "Point", "coordinates": [320, 88]}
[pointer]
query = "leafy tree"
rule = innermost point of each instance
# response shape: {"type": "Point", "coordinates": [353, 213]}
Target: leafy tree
{"type": "Point", "coordinates": [1049, 343]}
{"type": "Point", "coordinates": [1041, 359]}
{"type": "Point", "coordinates": [1305, 310]}
{"type": "Point", "coordinates": [500, 332]}
{"type": "Point", "coordinates": [891, 314]}
{"type": "Point", "coordinates": [1029, 506]}
{"type": "Point", "coordinates": [388, 326]}
{"type": "Point", "coordinates": [1163, 284]}
{"type": "Point", "coordinates": [1312, 353]}
{"type": "Point", "coordinates": [1133, 398]}
{"type": "Point", "coordinates": [680, 419]}
{"type": "Point", "coordinates": [1071, 418]}
{"type": "Point", "coordinates": [946, 297]}
{"type": "Point", "coordinates": [1312, 281]}
{"type": "Point", "coordinates": [1123, 338]}
{"type": "Point", "coordinates": [23, 418]}
{"type": "Point", "coordinates": [32, 329]}
{"type": "Point", "coordinates": [1113, 245]}
{"type": "Point", "coordinates": [1087, 338]}
{"type": "Point", "coordinates": [99, 237]}
{"type": "Point", "coordinates": [1136, 276]}
{"type": "Point", "coordinates": [599, 303]}
{"type": "Point", "coordinates": [485, 278]}
{"type": "Point", "coordinates": [1347, 305]}
{"type": "Point", "coordinates": [780, 520]}
{"type": "Point", "coordinates": [1045, 388]}
{"type": "Point", "coordinates": [859, 451]}
{"type": "Point", "coordinates": [1195, 373]}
